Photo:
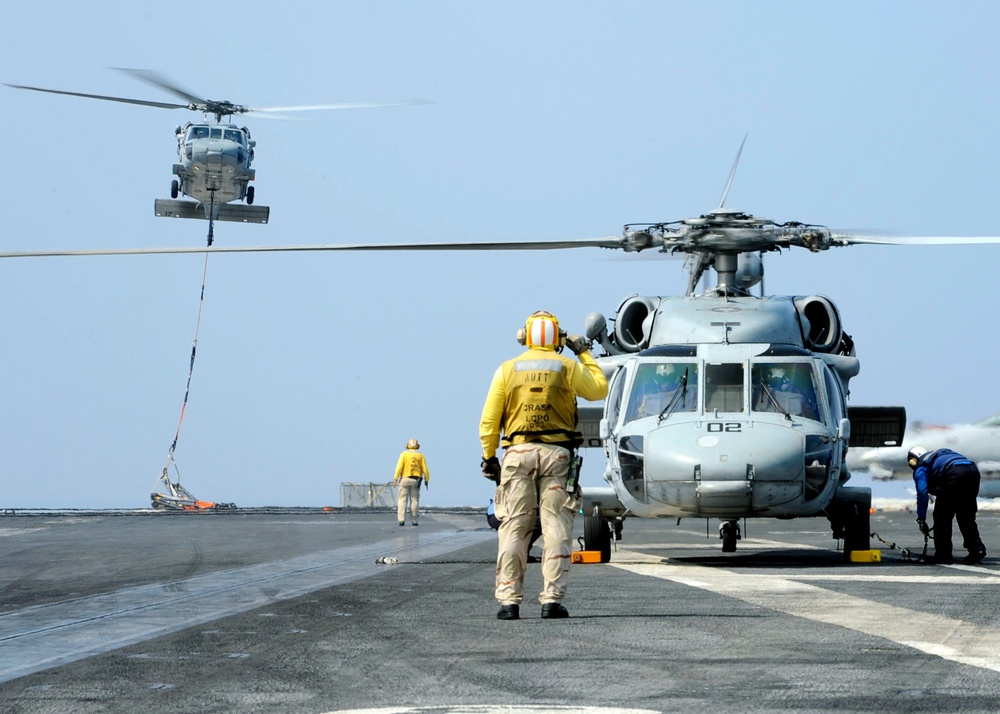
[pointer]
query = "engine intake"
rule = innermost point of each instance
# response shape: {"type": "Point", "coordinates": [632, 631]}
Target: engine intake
{"type": "Point", "coordinates": [633, 323]}
{"type": "Point", "coordinates": [821, 328]}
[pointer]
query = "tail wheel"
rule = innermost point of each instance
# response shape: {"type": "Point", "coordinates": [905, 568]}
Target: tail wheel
{"type": "Point", "coordinates": [597, 536]}
{"type": "Point", "coordinates": [174, 188]}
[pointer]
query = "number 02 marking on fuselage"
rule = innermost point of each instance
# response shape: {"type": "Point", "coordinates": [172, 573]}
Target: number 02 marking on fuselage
{"type": "Point", "coordinates": [731, 427]}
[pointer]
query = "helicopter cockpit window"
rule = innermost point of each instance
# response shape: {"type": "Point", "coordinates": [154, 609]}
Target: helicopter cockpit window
{"type": "Point", "coordinates": [234, 135]}
{"type": "Point", "coordinates": [197, 132]}
{"type": "Point", "coordinates": [785, 388]}
{"type": "Point", "coordinates": [835, 395]}
{"type": "Point", "coordinates": [724, 387]}
{"type": "Point", "coordinates": [216, 132]}
{"type": "Point", "coordinates": [663, 388]}
{"type": "Point", "coordinates": [615, 396]}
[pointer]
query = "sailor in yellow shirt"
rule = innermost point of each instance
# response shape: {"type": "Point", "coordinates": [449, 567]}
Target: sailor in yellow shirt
{"type": "Point", "coordinates": [532, 402]}
{"type": "Point", "coordinates": [411, 469]}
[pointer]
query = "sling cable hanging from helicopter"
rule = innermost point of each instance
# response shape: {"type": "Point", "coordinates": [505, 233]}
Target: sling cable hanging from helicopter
{"type": "Point", "coordinates": [178, 497]}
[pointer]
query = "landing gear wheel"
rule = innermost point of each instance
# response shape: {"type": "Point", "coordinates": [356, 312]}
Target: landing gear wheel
{"type": "Point", "coordinates": [729, 532]}
{"type": "Point", "coordinates": [850, 518]}
{"type": "Point", "coordinates": [857, 527]}
{"type": "Point", "coordinates": [174, 188]}
{"type": "Point", "coordinates": [249, 195]}
{"type": "Point", "coordinates": [597, 536]}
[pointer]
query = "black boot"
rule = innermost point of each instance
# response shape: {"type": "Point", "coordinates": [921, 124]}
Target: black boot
{"type": "Point", "coordinates": [554, 611]}
{"type": "Point", "coordinates": [974, 556]}
{"type": "Point", "coordinates": [509, 612]}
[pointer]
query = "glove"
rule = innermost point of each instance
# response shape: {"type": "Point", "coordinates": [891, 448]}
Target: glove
{"type": "Point", "coordinates": [426, 485]}
{"type": "Point", "coordinates": [577, 343]}
{"type": "Point", "coordinates": [922, 525]}
{"type": "Point", "coordinates": [491, 469]}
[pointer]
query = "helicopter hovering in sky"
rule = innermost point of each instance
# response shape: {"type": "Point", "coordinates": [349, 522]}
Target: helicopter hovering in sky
{"type": "Point", "coordinates": [214, 157]}
{"type": "Point", "coordinates": [722, 404]}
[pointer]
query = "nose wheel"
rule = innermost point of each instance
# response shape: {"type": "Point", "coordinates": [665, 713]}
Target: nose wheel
{"type": "Point", "coordinates": [729, 532]}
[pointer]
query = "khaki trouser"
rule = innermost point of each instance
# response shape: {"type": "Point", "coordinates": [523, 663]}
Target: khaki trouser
{"type": "Point", "coordinates": [533, 484]}
{"type": "Point", "coordinates": [409, 489]}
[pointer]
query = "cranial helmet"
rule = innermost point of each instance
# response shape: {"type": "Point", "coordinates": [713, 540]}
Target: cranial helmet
{"type": "Point", "coordinates": [412, 444]}
{"type": "Point", "coordinates": [914, 456]}
{"type": "Point", "coordinates": [776, 374]}
{"type": "Point", "coordinates": [665, 371]}
{"type": "Point", "coordinates": [541, 331]}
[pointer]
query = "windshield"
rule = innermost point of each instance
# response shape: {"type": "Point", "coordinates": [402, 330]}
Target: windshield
{"type": "Point", "coordinates": [663, 388]}
{"type": "Point", "coordinates": [724, 387]}
{"type": "Point", "coordinates": [197, 132]}
{"type": "Point", "coordinates": [785, 388]}
{"type": "Point", "coordinates": [234, 135]}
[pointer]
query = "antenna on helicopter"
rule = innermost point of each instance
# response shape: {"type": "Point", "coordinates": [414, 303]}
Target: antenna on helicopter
{"type": "Point", "coordinates": [700, 261]}
{"type": "Point", "coordinates": [732, 171]}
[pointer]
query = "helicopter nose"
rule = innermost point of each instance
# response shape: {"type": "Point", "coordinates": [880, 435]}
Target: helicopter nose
{"type": "Point", "coordinates": [738, 467]}
{"type": "Point", "coordinates": [218, 153]}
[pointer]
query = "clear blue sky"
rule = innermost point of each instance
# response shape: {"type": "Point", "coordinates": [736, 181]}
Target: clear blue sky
{"type": "Point", "coordinates": [552, 120]}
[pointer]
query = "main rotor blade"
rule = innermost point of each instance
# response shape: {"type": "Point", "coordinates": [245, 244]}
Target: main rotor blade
{"type": "Point", "coordinates": [848, 239]}
{"type": "Point", "coordinates": [618, 242]}
{"type": "Point", "coordinates": [143, 102]}
{"type": "Point", "coordinates": [343, 105]}
{"type": "Point", "coordinates": [607, 242]}
{"type": "Point", "coordinates": [157, 80]}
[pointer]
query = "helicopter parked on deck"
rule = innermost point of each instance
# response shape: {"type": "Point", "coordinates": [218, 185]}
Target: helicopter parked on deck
{"type": "Point", "coordinates": [728, 405]}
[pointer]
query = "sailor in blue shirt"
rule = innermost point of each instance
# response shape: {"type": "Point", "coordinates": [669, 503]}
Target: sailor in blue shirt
{"type": "Point", "coordinates": [953, 480]}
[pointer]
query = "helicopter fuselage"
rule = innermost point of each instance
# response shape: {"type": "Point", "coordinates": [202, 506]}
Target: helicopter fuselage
{"type": "Point", "coordinates": [214, 162]}
{"type": "Point", "coordinates": [729, 407]}
{"type": "Point", "coordinates": [725, 444]}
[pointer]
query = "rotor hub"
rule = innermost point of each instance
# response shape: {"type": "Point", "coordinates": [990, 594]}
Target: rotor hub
{"type": "Point", "coordinates": [725, 231]}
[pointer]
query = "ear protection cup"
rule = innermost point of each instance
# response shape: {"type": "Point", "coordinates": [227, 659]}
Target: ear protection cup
{"type": "Point", "coordinates": [542, 330]}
